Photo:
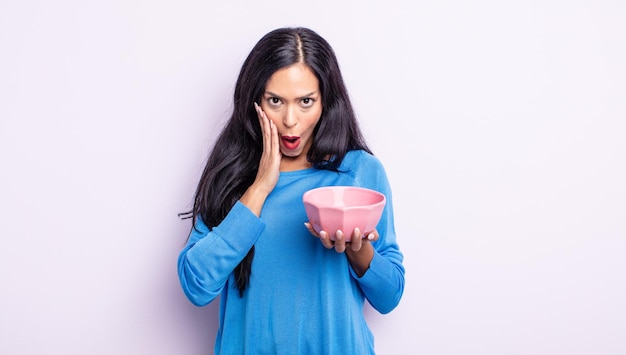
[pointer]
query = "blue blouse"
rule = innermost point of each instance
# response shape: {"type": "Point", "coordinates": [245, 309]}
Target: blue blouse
{"type": "Point", "coordinates": [302, 298]}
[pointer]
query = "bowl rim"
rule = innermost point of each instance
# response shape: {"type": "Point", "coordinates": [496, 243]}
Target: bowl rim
{"type": "Point", "coordinates": [383, 200]}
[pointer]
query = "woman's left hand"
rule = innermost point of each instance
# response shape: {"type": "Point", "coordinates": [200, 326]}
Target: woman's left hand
{"type": "Point", "coordinates": [340, 244]}
{"type": "Point", "coordinates": [358, 250]}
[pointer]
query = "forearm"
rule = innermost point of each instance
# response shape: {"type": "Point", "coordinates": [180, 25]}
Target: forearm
{"type": "Point", "coordinates": [254, 199]}
{"type": "Point", "coordinates": [383, 283]}
{"type": "Point", "coordinates": [211, 255]}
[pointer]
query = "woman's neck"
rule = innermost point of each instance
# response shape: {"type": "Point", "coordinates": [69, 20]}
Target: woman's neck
{"type": "Point", "coordinates": [292, 164]}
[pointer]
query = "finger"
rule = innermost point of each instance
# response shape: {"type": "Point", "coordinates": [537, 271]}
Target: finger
{"type": "Point", "coordinates": [325, 238]}
{"type": "Point", "coordinates": [271, 141]}
{"type": "Point", "coordinates": [262, 124]}
{"type": "Point", "coordinates": [275, 141]}
{"type": "Point", "coordinates": [340, 242]}
{"type": "Point", "coordinates": [266, 127]}
{"type": "Point", "coordinates": [259, 110]}
{"type": "Point", "coordinates": [259, 113]}
{"type": "Point", "coordinates": [372, 236]}
{"type": "Point", "coordinates": [312, 230]}
{"type": "Point", "coordinates": [357, 242]}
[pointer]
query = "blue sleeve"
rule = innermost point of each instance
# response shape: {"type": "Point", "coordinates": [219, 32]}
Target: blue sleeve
{"type": "Point", "coordinates": [383, 282]}
{"type": "Point", "coordinates": [210, 256]}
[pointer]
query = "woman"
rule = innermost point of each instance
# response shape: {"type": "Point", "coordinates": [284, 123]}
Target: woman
{"type": "Point", "coordinates": [286, 289]}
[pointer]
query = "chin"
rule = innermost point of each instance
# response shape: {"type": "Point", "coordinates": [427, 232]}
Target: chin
{"type": "Point", "coordinates": [291, 154]}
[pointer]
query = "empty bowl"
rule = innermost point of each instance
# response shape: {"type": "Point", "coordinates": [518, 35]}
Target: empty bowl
{"type": "Point", "coordinates": [343, 208]}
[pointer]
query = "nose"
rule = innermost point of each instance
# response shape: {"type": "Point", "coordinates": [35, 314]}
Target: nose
{"type": "Point", "coordinates": [290, 119]}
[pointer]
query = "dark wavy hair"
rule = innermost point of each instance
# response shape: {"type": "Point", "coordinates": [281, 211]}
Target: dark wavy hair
{"type": "Point", "coordinates": [234, 159]}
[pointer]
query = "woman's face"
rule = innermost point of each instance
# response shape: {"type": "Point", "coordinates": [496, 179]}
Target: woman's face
{"type": "Point", "coordinates": [292, 100]}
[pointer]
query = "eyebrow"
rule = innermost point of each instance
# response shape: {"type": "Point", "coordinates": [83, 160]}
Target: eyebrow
{"type": "Point", "coordinates": [269, 93]}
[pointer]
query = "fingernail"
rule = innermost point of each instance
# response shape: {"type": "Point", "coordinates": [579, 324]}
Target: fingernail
{"type": "Point", "coordinates": [370, 236]}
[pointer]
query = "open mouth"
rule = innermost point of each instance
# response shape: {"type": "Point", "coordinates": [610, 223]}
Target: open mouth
{"type": "Point", "coordinates": [291, 142]}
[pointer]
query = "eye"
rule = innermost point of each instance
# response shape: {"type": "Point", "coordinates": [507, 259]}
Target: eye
{"type": "Point", "coordinates": [307, 102]}
{"type": "Point", "coordinates": [274, 101]}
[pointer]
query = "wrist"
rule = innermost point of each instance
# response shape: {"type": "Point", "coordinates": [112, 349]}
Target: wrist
{"type": "Point", "coordinates": [360, 260]}
{"type": "Point", "coordinates": [254, 198]}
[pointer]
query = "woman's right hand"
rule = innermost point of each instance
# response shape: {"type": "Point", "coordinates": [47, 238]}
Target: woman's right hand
{"type": "Point", "coordinates": [269, 166]}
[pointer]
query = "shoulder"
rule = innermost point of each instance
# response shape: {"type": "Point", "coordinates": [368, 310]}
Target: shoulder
{"type": "Point", "coordinates": [359, 159]}
{"type": "Point", "coordinates": [365, 170]}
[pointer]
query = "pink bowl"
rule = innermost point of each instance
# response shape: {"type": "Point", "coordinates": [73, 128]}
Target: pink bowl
{"type": "Point", "coordinates": [343, 208]}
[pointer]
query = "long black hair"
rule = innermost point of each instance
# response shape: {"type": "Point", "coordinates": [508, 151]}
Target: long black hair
{"type": "Point", "coordinates": [234, 160]}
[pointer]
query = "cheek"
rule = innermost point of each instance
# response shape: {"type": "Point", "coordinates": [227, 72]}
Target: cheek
{"type": "Point", "coordinates": [273, 117]}
{"type": "Point", "coordinates": [313, 119]}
